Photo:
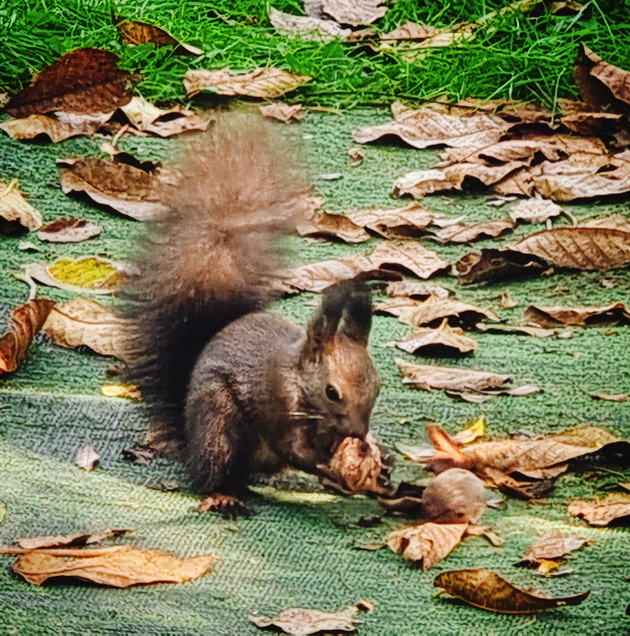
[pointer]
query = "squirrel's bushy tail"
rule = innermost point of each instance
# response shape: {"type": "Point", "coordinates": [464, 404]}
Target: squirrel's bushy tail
{"type": "Point", "coordinates": [211, 257]}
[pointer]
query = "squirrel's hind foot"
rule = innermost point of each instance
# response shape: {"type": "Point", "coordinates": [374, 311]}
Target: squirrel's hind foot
{"type": "Point", "coordinates": [229, 506]}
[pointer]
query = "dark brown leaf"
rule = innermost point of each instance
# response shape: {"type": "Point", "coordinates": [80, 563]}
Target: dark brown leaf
{"type": "Point", "coordinates": [24, 323]}
{"type": "Point", "coordinates": [134, 32]}
{"type": "Point", "coordinates": [68, 231]}
{"type": "Point", "coordinates": [489, 591]}
{"type": "Point", "coordinates": [82, 81]}
{"type": "Point", "coordinates": [613, 314]}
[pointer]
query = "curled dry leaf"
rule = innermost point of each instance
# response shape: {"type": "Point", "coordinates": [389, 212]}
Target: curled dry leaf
{"type": "Point", "coordinates": [443, 341]}
{"type": "Point", "coordinates": [613, 314]}
{"type": "Point", "coordinates": [384, 262]}
{"type": "Point", "coordinates": [82, 81]}
{"type": "Point", "coordinates": [74, 540]}
{"type": "Point", "coordinates": [487, 590]}
{"type": "Point", "coordinates": [535, 210]}
{"type": "Point", "coordinates": [267, 83]}
{"type": "Point", "coordinates": [610, 397]}
{"type": "Point", "coordinates": [602, 86]}
{"type": "Point", "coordinates": [427, 543]}
{"type": "Point", "coordinates": [416, 290]}
{"type": "Point", "coordinates": [424, 128]}
{"type": "Point", "coordinates": [466, 233]}
{"type": "Point", "coordinates": [497, 264]}
{"type": "Point", "coordinates": [134, 32]}
{"type": "Point", "coordinates": [24, 323]}
{"type": "Point", "coordinates": [360, 466]}
{"type": "Point", "coordinates": [541, 458]}
{"type": "Point", "coordinates": [127, 186]}
{"type": "Point", "coordinates": [428, 377]}
{"type": "Point", "coordinates": [336, 226]}
{"type": "Point", "coordinates": [87, 458]}
{"type": "Point", "coordinates": [68, 231]}
{"type": "Point", "coordinates": [302, 622]}
{"type": "Point", "coordinates": [90, 274]}
{"type": "Point", "coordinates": [552, 547]}
{"type": "Point", "coordinates": [454, 496]}
{"type": "Point", "coordinates": [307, 27]}
{"type": "Point", "coordinates": [117, 567]}
{"type": "Point", "coordinates": [433, 311]}
{"type": "Point", "coordinates": [357, 155]}
{"type": "Point", "coordinates": [15, 209]}
{"type": "Point", "coordinates": [283, 112]}
{"type": "Point", "coordinates": [404, 222]}
{"type": "Point", "coordinates": [520, 330]}
{"type": "Point", "coordinates": [602, 512]}
{"type": "Point", "coordinates": [85, 323]}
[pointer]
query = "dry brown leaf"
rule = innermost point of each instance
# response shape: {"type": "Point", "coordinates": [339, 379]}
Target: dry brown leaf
{"type": "Point", "coordinates": [613, 314]}
{"type": "Point", "coordinates": [466, 233]}
{"type": "Point", "coordinates": [489, 591]}
{"type": "Point", "coordinates": [15, 209]}
{"type": "Point", "coordinates": [602, 512]}
{"type": "Point", "coordinates": [360, 466]}
{"type": "Point", "coordinates": [302, 622]}
{"type": "Point", "coordinates": [520, 330]}
{"type": "Point", "coordinates": [283, 112]}
{"type": "Point", "coordinates": [411, 31]}
{"type": "Point", "coordinates": [354, 12]}
{"type": "Point", "coordinates": [87, 458]}
{"type": "Point", "coordinates": [552, 547]}
{"type": "Point", "coordinates": [596, 124]}
{"type": "Point", "coordinates": [497, 264]}
{"type": "Point", "coordinates": [427, 377]}
{"type": "Point", "coordinates": [614, 222]}
{"type": "Point", "coordinates": [134, 32]}
{"type": "Point", "coordinates": [24, 323]}
{"type": "Point", "coordinates": [127, 186]}
{"type": "Point", "coordinates": [121, 567]}
{"type": "Point", "coordinates": [307, 27]}
{"type": "Point", "coordinates": [610, 397]}
{"type": "Point", "coordinates": [424, 128]}
{"type": "Point", "coordinates": [335, 226]}
{"type": "Point", "coordinates": [56, 126]}
{"type": "Point", "coordinates": [427, 543]}
{"type": "Point", "coordinates": [85, 323]}
{"type": "Point", "coordinates": [443, 341]}
{"type": "Point", "coordinates": [267, 83]}
{"type": "Point", "coordinates": [433, 311]}
{"type": "Point", "coordinates": [543, 458]}
{"type": "Point", "coordinates": [90, 274]}
{"type": "Point", "coordinates": [416, 290]}
{"type": "Point", "coordinates": [584, 248]}
{"type": "Point", "coordinates": [82, 81]}
{"type": "Point", "coordinates": [404, 222]}
{"type": "Point", "coordinates": [455, 496]}
{"type": "Point", "coordinates": [602, 86]}
{"type": "Point", "coordinates": [535, 210]}
{"type": "Point", "coordinates": [357, 155]}
{"type": "Point", "coordinates": [75, 540]}
{"type": "Point", "coordinates": [384, 262]}
{"type": "Point", "coordinates": [68, 231]}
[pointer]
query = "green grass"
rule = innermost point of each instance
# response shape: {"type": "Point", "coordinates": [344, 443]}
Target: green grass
{"type": "Point", "coordinates": [524, 56]}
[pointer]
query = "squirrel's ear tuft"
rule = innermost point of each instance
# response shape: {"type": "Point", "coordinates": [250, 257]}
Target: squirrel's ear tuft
{"type": "Point", "coordinates": [346, 306]}
{"type": "Point", "coordinates": [357, 314]}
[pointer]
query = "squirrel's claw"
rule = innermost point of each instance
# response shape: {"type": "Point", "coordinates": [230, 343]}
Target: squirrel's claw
{"type": "Point", "coordinates": [229, 506]}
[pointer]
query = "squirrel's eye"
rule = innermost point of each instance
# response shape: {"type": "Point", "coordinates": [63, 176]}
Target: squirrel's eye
{"type": "Point", "coordinates": [332, 394]}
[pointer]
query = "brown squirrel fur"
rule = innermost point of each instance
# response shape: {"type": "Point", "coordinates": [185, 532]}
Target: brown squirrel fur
{"type": "Point", "coordinates": [243, 389]}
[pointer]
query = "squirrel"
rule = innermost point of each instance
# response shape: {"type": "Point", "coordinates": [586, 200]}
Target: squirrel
{"type": "Point", "coordinates": [242, 389]}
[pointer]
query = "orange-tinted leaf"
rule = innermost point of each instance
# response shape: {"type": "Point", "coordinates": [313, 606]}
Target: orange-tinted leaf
{"type": "Point", "coordinates": [489, 591]}
{"type": "Point", "coordinates": [602, 512]}
{"type": "Point", "coordinates": [121, 567]}
{"type": "Point", "coordinates": [82, 81]}
{"type": "Point", "coordinates": [24, 323]}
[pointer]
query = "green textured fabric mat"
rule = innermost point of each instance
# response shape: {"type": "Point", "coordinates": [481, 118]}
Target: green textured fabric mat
{"type": "Point", "coordinates": [298, 550]}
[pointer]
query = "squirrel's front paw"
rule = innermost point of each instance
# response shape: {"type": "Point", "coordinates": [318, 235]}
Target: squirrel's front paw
{"type": "Point", "coordinates": [229, 506]}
